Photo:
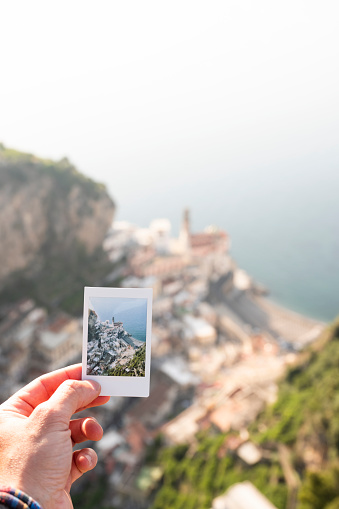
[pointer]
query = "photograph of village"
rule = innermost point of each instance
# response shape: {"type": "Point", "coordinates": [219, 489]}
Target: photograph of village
{"type": "Point", "coordinates": [112, 350]}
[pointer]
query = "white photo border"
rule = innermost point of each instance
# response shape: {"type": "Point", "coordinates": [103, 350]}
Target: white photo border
{"type": "Point", "coordinates": [120, 385]}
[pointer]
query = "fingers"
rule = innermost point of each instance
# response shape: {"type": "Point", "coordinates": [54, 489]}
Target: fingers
{"type": "Point", "coordinates": [40, 390]}
{"type": "Point", "coordinates": [87, 428]}
{"type": "Point", "coordinates": [100, 400]}
{"type": "Point", "coordinates": [83, 461]}
{"type": "Point", "coordinates": [70, 397]}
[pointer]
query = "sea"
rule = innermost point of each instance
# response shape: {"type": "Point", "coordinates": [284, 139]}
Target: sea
{"type": "Point", "coordinates": [285, 233]}
{"type": "Point", "coordinates": [283, 224]}
{"type": "Point", "coordinates": [134, 322]}
{"type": "Point", "coordinates": [131, 311]}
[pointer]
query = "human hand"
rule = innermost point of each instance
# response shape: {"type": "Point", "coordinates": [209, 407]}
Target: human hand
{"type": "Point", "coordinates": [37, 436]}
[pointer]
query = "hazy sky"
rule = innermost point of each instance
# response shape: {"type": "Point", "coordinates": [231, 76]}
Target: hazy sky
{"type": "Point", "coordinates": [108, 307]}
{"type": "Point", "coordinates": [155, 97]}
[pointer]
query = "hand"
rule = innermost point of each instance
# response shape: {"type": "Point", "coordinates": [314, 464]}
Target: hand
{"type": "Point", "coordinates": [37, 436]}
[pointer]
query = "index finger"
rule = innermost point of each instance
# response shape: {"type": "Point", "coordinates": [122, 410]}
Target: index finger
{"type": "Point", "coordinates": [42, 388]}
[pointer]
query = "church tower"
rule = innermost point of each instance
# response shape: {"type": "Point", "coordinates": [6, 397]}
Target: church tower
{"type": "Point", "coordinates": [185, 233]}
{"type": "Point", "coordinates": [185, 225]}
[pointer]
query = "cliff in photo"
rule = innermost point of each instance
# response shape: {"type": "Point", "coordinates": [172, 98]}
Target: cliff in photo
{"type": "Point", "coordinates": [112, 350]}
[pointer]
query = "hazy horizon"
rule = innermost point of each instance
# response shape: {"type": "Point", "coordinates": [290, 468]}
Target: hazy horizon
{"type": "Point", "coordinates": [163, 95]}
{"type": "Point", "coordinates": [228, 108]}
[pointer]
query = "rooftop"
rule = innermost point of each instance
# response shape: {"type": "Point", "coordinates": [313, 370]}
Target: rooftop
{"type": "Point", "coordinates": [177, 369]}
{"type": "Point", "coordinates": [110, 440]}
{"type": "Point", "coordinates": [242, 496]}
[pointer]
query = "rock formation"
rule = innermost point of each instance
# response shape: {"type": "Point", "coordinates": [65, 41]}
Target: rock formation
{"type": "Point", "coordinates": [112, 351]}
{"type": "Point", "coordinates": [47, 209]}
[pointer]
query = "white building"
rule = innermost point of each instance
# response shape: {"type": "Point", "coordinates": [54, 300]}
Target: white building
{"type": "Point", "coordinates": [198, 329]}
{"type": "Point", "coordinates": [161, 232]}
{"type": "Point", "coordinates": [242, 496]}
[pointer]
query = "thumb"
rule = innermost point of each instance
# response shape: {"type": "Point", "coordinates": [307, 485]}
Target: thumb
{"type": "Point", "coordinates": [71, 396]}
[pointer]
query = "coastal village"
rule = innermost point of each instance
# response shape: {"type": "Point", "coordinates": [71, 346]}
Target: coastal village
{"type": "Point", "coordinates": [219, 347]}
{"type": "Point", "coordinates": [110, 347]}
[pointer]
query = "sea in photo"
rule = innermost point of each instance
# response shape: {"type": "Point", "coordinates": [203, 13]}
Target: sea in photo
{"type": "Point", "coordinates": [132, 312]}
{"type": "Point", "coordinates": [116, 336]}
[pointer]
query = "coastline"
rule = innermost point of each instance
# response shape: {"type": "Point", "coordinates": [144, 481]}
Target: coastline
{"type": "Point", "coordinates": [241, 304]}
{"type": "Point", "coordinates": [137, 341]}
{"type": "Point", "coordinates": [260, 314]}
{"type": "Point", "coordinates": [275, 303]}
{"type": "Point", "coordinates": [294, 325]}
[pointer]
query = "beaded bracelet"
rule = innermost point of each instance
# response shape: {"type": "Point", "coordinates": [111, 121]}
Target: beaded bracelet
{"type": "Point", "coordinates": [16, 499]}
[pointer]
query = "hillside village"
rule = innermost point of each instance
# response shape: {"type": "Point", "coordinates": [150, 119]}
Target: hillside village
{"type": "Point", "coordinates": [218, 348]}
{"type": "Point", "coordinates": [112, 350]}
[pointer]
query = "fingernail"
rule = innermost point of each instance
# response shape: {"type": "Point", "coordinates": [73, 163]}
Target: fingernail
{"type": "Point", "coordinates": [88, 458]}
{"type": "Point", "coordinates": [95, 385]}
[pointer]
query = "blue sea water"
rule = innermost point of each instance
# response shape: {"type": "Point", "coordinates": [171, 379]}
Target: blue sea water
{"type": "Point", "coordinates": [284, 232]}
{"type": "Point", "coordinates": [283, 223]}
{"type": "Point", "coordinates": [132, 312]}
{"type": "Point", "coordinates": [134, 321]}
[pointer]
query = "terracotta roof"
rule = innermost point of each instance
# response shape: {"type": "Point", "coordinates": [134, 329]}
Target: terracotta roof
{"type": "Point", "coordinates": [202, 239]}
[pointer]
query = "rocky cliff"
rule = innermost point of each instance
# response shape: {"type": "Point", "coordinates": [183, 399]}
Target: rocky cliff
{"type": "Point", "coordinates": [112, 351]}
{"type": "Point", "coordinates": [47, 207]}
{"type": "Point", "coordinates": [50, 213]}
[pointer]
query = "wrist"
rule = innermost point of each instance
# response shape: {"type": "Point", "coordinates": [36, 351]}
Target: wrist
{"type": "Point", "coordinates": [15, 498]}
{"type": "Point", "coordinates": [12, 476]}
{"type": "Point", "coordinates": [16, 484]}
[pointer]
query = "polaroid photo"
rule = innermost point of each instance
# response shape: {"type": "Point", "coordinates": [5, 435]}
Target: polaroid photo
{"type": "Point", "coordinates": [117, 340]}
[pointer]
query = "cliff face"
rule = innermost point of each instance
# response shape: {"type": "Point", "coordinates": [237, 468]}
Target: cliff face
{"type": "Point", "coordinates": [48, 209]}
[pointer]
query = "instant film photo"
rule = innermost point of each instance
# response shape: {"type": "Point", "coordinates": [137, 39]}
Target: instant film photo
{"type": "Point", "coordinates": [117, 340]}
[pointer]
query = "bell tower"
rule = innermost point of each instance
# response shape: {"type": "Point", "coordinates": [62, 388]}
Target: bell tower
{"type": "Point", "coordinates": [185, 232]}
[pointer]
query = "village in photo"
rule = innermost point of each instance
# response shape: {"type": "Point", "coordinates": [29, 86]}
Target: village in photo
{"type": "Point", "coordinates": [116, 336]}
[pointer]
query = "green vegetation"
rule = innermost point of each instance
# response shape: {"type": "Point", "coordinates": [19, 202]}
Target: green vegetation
{"type": "Point", "coordinates": [320, 490]}
{"type": "Point", "coordinates": [135, 367]}
{"type": "Point", "coordinates": [63, 172]}
{"type": "Point", "coordinates": [306, 412]}
{"type": "Point", "coordinates": [60, 281]}
{"type": "Point", "coordinates": [193, 479]}
{"type": "Point", "coordinates": [62, 265]}
{"type": "Point", "coordinates": [305, 419]}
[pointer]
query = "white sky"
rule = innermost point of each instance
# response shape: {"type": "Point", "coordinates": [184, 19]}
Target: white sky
{"type": "Point", "coordinates": [147, 96]}
{"type": "Point", "coordinates": [106, 307]}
